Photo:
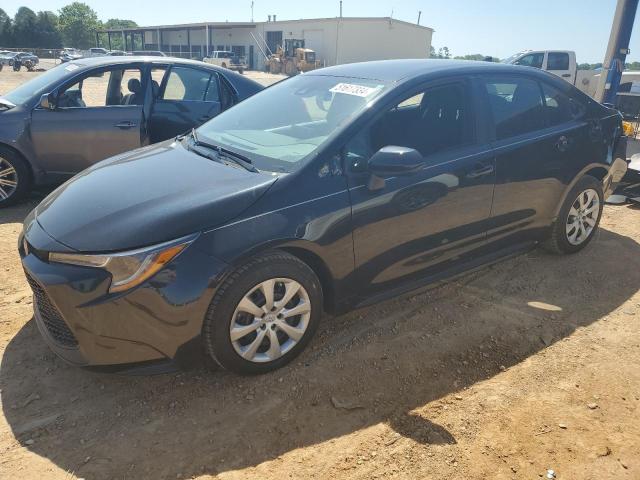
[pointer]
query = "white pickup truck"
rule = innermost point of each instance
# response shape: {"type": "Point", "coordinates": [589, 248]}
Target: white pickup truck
{"type": "Point", "coordinates": [227, 59]}
{"type": "Point", "coordinates": [559, 62]}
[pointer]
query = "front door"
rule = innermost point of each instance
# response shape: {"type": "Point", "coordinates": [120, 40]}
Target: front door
{"type": "Point", "coordinates": [97, 116]}
{"type": "Point", "coordinates": [413, 227]}
{"type": "Point", "coordinates": [187, 98]}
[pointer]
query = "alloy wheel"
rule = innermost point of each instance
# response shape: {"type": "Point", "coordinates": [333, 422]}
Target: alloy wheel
{"type": "Point", "coordinates": [583, 217]}
{"type": "Point", "coordinates": [270, 320]}
{"type": "Point", "coordinates": [8, 179]}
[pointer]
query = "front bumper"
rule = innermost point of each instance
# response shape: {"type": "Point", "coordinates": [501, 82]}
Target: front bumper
{"type": "Point", "coordinates": [157, 324]}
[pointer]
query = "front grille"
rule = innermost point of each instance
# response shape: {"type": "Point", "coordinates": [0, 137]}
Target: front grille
{"type": "Point", "coordinates": [51, 316]}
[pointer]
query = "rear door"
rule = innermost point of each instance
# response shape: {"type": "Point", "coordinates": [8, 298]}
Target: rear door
{"type": "Point", "coordinates": [187, 97]}
{"type": "Point", "coordinates": [559, 63]}
{"type": "Point", "coordinates": [91, 121]}
{"type": "Point", "coordinates": [535, 148]}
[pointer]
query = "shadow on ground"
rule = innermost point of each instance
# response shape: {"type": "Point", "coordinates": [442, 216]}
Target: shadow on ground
{"type": "Point", "coordinates": [376, 365]}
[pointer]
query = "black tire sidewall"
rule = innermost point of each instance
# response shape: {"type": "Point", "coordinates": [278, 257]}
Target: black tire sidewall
{"type": "Point", "coordinates": [585, 183]}
{"type": "Point", "coordinates": [218, 319]}
{"type": "Point", "coordinates": [24, 176]}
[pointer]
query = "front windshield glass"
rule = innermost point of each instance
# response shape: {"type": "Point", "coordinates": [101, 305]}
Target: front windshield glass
{"type": "Point", "coordinates": [284, 125]}
{"type": "Point", "coordinates": [39, 85]}
{"type": "Point", "coordinates": [512, 58]}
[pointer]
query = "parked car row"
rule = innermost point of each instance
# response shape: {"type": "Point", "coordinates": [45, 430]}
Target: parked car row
{"type": "Point", "coordinates": [325, 192]}
{"type": "Point", "coordinates": [17, 60]}
{"type": "Point", "coordinates": [70, 54]}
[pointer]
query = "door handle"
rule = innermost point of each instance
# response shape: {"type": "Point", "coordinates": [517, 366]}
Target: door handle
{"type": "Point", "coordinates": [566, 75]}
{"type": "Point", "coordinates": [481, 172]}
{"type": "Point", "coordinates": [125, 125]}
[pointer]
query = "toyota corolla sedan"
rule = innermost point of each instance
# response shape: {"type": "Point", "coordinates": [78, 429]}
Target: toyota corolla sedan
{"type": "Point", "coordinates": [328, 191]}
{"type": "Point", "coordinates": [88, 109]}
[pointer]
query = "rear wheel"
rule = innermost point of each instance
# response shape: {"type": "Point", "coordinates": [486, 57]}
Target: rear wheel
{"type": "Point", "coordinates": [579, 217]}
{"type": "Point", "coordinates": [264, 314]}
{"type": "Point", "coordinates": [15, 178]}
{"type": "Point", "coordinates": [224, 65]}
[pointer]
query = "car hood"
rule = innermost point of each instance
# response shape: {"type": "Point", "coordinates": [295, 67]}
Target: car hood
{"type": "Point", "coordinates": [147, 196]}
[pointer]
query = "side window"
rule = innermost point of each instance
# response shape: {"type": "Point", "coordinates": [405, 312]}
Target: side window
{"type": "Point", "coordinates": [516, 105]}
{"type": "Point", "coordinates": [558, 61]}
{"type": "Point", "coordinates": [187, 84]}
{"type": "Point", "coordinates": [104, 89]}
{"type": "Point", "coordinates": [212, 94]}
{"type": "Point", "coordinates": [432, 121]}
{"type": "Point", "coordinates": [157, 75]}
{"type": "Point", "coordinates": [532, 60]}
{"type": "Point", "coordinates": [561, 108]}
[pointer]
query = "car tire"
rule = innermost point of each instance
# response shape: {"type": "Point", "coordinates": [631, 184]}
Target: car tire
{"type": "Point", "coordinates": [268, 338]}
{"type": "Point", "coordinates": [579, 217]}
{"type": "Point", "coordinates": [224, 65]}
{"type": "Point", "coordinates": [13, 168]}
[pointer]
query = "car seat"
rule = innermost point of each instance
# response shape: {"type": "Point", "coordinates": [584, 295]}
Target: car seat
{"type": "Point", "coordinates": [135, 87]}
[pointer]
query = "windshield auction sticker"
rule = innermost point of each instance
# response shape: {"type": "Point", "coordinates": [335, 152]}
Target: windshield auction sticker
{"type": "Point", "coordinates": [351, 89]}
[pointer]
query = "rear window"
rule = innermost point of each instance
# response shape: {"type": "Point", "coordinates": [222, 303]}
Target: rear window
{"type": "Point", "coordinates": [561, 108]}
{"type": "Point", "coordinates": [516, 105]}
{"type": "Point", "coordinates": [558, 61]}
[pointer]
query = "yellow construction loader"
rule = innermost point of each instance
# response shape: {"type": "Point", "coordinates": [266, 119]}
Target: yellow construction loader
{"type": "Point", "coordinates": [292, 59]}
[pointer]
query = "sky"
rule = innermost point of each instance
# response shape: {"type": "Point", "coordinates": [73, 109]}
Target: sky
{"type": "Point", "coordinates": [490, 27]}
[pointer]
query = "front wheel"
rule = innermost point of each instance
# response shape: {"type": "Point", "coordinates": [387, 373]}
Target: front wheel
{"type": "Point", "coordinates": [15, 178]}
{"type": "Point", "coordinates": [579, 217]}
{"type": "Point", "coordinates": [264, 314]}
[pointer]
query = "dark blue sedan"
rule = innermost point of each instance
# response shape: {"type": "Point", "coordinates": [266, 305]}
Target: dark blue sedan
{"type": "Point", "coordinates": [325, 192]}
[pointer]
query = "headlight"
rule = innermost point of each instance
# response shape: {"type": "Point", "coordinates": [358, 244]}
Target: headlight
{"type": "Point", "coordinates": [128, 269]}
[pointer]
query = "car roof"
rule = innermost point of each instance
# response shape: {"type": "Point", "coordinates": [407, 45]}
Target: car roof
{"type": "Point", "coordinates": [400, 70]}
{"type": "Point", "coordinates": [108, 60]}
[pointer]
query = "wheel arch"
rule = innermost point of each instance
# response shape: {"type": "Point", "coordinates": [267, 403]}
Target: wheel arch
{"type": "Point", "coordinates": [304, 252]}
{"type": "Point", "coordinates": [597, 171]}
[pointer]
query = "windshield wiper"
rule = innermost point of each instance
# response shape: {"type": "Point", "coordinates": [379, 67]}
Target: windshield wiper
{"type": "Point", "coordinates": [223, 152]}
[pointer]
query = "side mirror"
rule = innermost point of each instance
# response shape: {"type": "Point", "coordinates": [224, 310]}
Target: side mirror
{"type": "Point", "coordinates": [393, 161]}
{"type": "Point", "coordinates": [48, 101]}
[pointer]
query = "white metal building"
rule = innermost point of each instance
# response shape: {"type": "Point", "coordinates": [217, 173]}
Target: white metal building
{"type": "Point", "coordinates": [335, 40]}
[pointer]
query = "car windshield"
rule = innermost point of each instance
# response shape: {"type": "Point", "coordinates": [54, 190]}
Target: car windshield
{"type": "Point", "coordinates": [512, 58]}
{"type": "Point", "coordinates": [280, 128]}
{"type": "Point", "coordinates": [40, 84]}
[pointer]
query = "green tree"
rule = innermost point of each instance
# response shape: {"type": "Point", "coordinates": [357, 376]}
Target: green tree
{"type": "Point", "coordinates": [78, 24]}
{"type": "Point", "coordinates": [47, 33]}
{"type": "Point", "coordinates": [24, 27]}
{"type": "Point", "coordinates": [116, 40]}
{"type": "Point", "coordinates": [6, 30]}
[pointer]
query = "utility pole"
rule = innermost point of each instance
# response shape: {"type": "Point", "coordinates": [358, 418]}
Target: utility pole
{"type": "Point", "coordinates": [617, 51]}
{"type": "Point", "coordinates": [419, 15]}
{"type": "Point", "coordinates": [251, 12]}
{"type": "Point", "coordinates": [340, 8]}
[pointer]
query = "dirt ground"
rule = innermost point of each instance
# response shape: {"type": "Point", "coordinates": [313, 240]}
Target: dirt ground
{"type": "Point", "coordinates": [524, 366]}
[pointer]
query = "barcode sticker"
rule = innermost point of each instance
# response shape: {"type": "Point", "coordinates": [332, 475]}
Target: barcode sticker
{"type": "Point", "coordinates": [351, 89]}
